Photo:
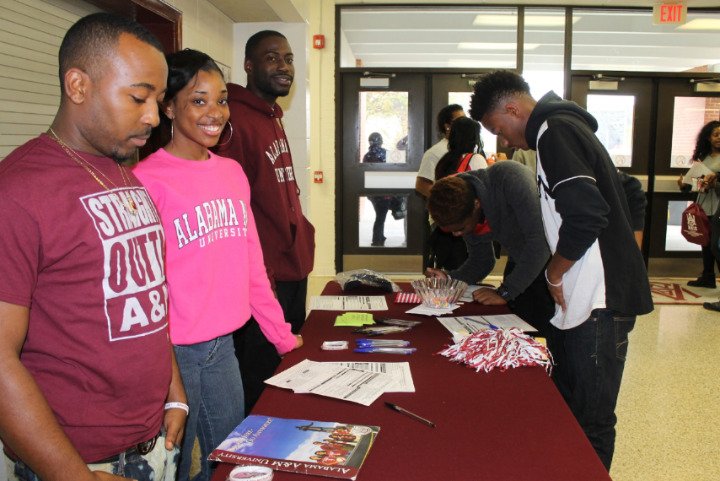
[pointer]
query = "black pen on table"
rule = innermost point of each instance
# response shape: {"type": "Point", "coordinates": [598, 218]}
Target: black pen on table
{"type": "Point", "coordinates": [412, 415]}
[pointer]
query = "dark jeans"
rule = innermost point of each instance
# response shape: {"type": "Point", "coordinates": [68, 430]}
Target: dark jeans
{"type": "Point", "coordinates": [590, 359]}
{"type": "Point", "coordinates": [257, 356]}
{"type": "Point", "coordinates": [709, 261]}
{"type": "Point", "coordinates": [448, 251]}
{"type": "Point", "coordinates": [381, 206]}
{"type": "Point", "coordinates": [292, 296]}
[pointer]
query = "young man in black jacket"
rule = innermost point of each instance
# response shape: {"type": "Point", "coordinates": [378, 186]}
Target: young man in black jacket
{"type": "Point", "coordinates": [596, 274]}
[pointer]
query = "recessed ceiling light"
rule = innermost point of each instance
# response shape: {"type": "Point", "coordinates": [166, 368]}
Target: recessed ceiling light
{"type": "Point", "coordinates": [505, 20]}
{"type": "Point", "coordinates": [494, 46]}
{"type": "Point", "coordinates": [701, 24]}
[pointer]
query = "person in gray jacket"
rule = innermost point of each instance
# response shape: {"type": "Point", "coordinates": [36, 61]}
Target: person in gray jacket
{"type": "Point", "coordinates": [499, 203]}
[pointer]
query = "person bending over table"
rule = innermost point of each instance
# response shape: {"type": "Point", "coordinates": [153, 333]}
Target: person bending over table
{"type": "Point", "coordinates": [498, 203]}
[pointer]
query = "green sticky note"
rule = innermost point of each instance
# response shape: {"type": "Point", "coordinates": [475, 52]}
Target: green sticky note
{"type": "Point", "coordinates": [355, 319]}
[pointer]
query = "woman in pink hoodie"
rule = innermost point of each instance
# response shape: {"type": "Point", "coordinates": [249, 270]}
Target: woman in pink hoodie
{"type": "Point", "coordinates": [214, 263]}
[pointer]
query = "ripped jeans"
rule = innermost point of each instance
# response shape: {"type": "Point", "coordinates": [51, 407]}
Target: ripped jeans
{"type": "Point", "coordinates": [590, 360]}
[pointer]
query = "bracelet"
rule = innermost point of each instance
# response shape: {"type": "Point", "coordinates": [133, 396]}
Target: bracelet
{"type": "Point", "coordinates": [178, 405]}
{"type": "Point", "coordinates": [548, 281]}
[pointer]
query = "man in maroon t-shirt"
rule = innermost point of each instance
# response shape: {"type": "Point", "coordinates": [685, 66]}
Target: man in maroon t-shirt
{"type": "Point", "coordinates": [89, 382]}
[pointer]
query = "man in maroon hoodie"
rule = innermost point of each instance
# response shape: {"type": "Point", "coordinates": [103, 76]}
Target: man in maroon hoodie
{"type": "Point", "coordinates": [260, 145]}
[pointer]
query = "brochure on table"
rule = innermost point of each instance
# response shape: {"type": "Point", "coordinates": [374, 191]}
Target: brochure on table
{"type": "Point", "coordinates": [295, 445]}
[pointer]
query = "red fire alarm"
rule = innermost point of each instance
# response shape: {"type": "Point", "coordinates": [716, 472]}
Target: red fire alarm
{"type": "Point", "coordinates": [318, 41]}
{"type": "Point", "coordinates": [318, 176]}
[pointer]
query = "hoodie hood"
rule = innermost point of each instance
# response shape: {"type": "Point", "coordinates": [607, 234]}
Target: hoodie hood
{"type": "Point", "coordinates": [552, 104]}
{"type": "Point", "coordinates": [241, 95]}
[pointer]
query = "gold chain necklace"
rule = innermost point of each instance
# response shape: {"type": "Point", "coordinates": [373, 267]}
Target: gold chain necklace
{"type": "Point", "coordinates": [127, 203]}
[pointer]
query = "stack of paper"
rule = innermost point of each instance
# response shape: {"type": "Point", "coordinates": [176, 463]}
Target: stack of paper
{"type": "Point", "coordinates": [359, 382]}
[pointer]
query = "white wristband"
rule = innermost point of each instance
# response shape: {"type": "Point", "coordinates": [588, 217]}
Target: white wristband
{"type": "Point", "coordinates": [548, 281]}
{"type": "Point", "coordinates": [178, 405]}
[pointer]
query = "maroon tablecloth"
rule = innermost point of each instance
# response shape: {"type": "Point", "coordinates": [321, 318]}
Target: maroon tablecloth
{"type": "Point", "coordinates": [497, 426]}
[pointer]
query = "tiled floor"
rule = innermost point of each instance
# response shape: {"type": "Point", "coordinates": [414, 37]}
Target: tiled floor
{"type": "Point", "coordinates": [668, 422]}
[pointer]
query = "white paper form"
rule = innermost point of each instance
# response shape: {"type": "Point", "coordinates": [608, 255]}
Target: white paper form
{"type": "Point", "coordinates": [333, 380]}
{"type": "Point", "coordinates": [400, 371]}
{"type": "Point", "coordinates": [348, 303]}
{"type": "Point", "coordinates": [431, 311]}
{"type": "Point", "coordinates": [468, 294]}
{"type": "Point", "coordinates": [464, 326]}
{"type": "Point", "coordinates": [698, 169]}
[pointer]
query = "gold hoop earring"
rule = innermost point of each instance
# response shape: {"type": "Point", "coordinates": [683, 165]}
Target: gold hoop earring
{"type": "Point", "coordinates": [229, 138]}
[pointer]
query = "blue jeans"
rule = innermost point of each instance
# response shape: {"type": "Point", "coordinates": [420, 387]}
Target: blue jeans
{"type": "Point", "coordinates": [590, 359]}
{"type": "Point", "coordinates": [157, 465]}
{"type": "Point", "coordinates": [214, 390]}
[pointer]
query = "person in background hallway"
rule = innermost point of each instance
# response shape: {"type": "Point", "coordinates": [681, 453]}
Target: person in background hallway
{"type": "Point", "coordinates": [426, 174]}
{"type": "Point", "coordinates": [598, 283]}
{"type": "Point", "coordinates": [500, 204]}
{"type": "Point", "coordinates": [216, 274]}
{"type": "Point", "coordinates": [707, 152]}
{"type": "Point", "coordinates": [525, 157]}
{"type": "Point", "coordinates": [448, 251]}
{"type": "Point", "coordinates": [377, 154]}
{"type": "Point", "coordinates": [86, 368]}
{"type": "Point", "coordinates": [287, 238]}
{"type": "Point", "coordinates": [464, 139]}
{"type": "Point", "coordinates": [426, 177]}
{"type": "Point", "coordinates": [637, 203]}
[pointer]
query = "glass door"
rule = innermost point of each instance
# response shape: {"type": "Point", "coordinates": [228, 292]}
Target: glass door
{"type": "Point", "coordinates": [457, 89]}
{"type": "Point", "coordinates": [382, 138]}
{"type": "Point", "coordinates": [623, 108]}
{"type": "Point", "coordinates": [649, 125]}
{"type": "Point", "coordinates": [388, 122]}
{"type": "Point", "coordinates": [683, 109]}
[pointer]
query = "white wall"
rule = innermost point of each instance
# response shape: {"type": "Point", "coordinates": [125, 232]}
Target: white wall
{"type": "Point", "coordinates": [322, 148]}
{"type": "Point", "coordinates": [30, 37]}
{"type": "Point", "coordinates": [207, 29]}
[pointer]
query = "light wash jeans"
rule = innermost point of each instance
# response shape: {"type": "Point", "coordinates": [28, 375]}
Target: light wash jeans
{"type": "Point", "coordinates": [214, 390]}
{"type": "Point", "coordinates": [157, 465]}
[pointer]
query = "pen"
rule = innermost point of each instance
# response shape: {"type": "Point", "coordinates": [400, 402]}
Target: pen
{"type": "Point", "coordinates": [483, 321]}
{"type": "Point", "coordinates": [382, 343]}
{"type": "Point", "coordinates": [387, 350]}
{"type": "Point", "coordinates": [412, 415]}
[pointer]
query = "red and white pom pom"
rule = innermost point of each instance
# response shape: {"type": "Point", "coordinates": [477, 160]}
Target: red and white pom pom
{"type": "Point", "coordinates": [499, 348]}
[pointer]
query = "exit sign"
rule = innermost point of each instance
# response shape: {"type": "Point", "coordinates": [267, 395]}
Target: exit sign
{"type": "Point", "coordinates": [664, 14]}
